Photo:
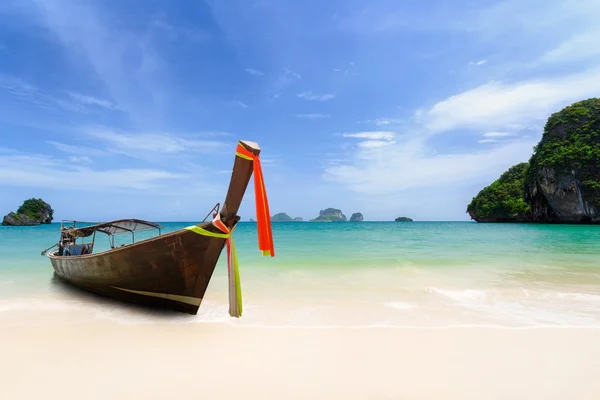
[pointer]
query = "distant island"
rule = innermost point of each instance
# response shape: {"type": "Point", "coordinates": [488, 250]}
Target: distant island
{"type": "Point", "coordinates": [283, 217]}
{"type": "Point", "coordinates": [32, 212]}
{"type": "Point", "coordinates": [330, 215]}
{"type": "Point", "coordinates": [403, 219]}
{"type": "Point", "coordinates": [561, 181]}
{"type": "Point", "coordinates": [357, 217]}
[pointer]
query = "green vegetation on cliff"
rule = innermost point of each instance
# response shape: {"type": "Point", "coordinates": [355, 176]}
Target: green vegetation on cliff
{"type": "Point", "coordinates": [503, 199]}
{"type": "Point", "coordinates": [35, 208]}
{"type": "Point", "coordinates": [571, 145]}
{"type": "Point", "coordinates": [31, 212]}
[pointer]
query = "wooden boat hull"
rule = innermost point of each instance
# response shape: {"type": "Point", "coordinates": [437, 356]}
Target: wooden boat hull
{"type": "Point", "coordinates": [169, 271]}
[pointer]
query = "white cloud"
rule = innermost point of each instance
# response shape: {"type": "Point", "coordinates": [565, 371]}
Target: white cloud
{"type": "Point", "coordinates": [73, 149]}
{"type": "Point", "coordinates": [410, 165]}
{"type": "Point", "coordinates": [478, 63]}
{"type": "Point", "coordinates": [254, 72]}
{"type": "Point", "coordinates": [240, 104]}
{"type": "Point", "coordinates": [579, 47]}
{"type": "Point", "coordinates": [80, 159]}
{"type": "Point", "coordinates": [309, 95]}
{"type": "Point", "coordinates": [496, 105]}
{"type": "Point", "coordinates": [482, 141]}
{"type": "Point", "coordinates": [498, 134]}
{"type": "Point", "coordinates": [92, 101]}
{"type": "Point", "coordinates": [286, 78]}
{"type": "Point", "coordinates": [376, 135]}
{"type": "Point", "coordinates": [370, 144]}
{"type": "Point", "coordinates": [312, 116]}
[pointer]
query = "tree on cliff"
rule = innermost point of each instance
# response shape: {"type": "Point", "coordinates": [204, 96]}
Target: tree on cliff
{"type": "Point", "coordinates": [503, 199]}
{"type": "Point", "coordinates": [569, 154]}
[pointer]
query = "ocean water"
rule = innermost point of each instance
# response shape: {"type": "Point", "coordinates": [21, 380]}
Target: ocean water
{"type": "Point", "coordinates": [350, 274]}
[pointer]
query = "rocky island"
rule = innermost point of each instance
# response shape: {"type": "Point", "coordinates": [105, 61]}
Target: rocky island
{"type": "Point", "coordinates": [403, 219]}
{"type": "Point", "coordinates": [330, 215]}
{"type": "Point", "coordinates": [561, 181]}
{"type": "Point", "coordinates": [281, 217]}
{"type": "Point", "coordinates": [356, 217]}
{"type": "Point", "coordinates": [31, 212]}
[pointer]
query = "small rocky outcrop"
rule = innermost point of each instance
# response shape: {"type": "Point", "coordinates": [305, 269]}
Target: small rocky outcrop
{"type": "Point", "coordinates": [298, 219]}
{"type": "Point", "coordinates": [31, 212]}
{"type": "Point", "coordinates": [403, 219]}
{"type": "Point", "coordinates": [330, 215]}
{"type": "Point", "coordinates": [356, 217]}
{"type": "Point", "coordinates": [281, 217]}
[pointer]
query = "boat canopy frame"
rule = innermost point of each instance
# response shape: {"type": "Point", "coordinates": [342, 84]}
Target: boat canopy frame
{"type": "Point", "coordinates": [111, 228]}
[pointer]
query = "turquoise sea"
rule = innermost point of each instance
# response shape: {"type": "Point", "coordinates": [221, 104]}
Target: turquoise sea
{"type": "Point", "coordinates": [352, 274]}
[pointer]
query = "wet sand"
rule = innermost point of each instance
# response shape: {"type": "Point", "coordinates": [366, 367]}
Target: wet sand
{"type": "Point", "coordinates": [219, 361]}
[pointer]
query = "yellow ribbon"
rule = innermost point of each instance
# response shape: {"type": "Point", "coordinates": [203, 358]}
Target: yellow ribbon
{"type": "Point", "coordinates": [235, 288]}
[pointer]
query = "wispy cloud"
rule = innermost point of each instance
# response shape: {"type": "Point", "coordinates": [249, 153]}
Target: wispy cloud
{"type": "Point", "coordinates": [478, 63]}
{"type": "Point", "coordinates": [80, 159]}
{"type": "Point", "coordinates": [312, 116]}
{"type": "Point", "coordinates": [31, 170]}
{"type": "Point", "coordinates": [579, 47]}
{"type": "Point", "coordinates": [375, 135]}
{"type": "Point", "coordinates": [384, 121]}
{"type": "Point", "coordinates": [309, 95]}
{"type": "Point", "coordinates": [77, 150]}
{"type": "Point", "coordinates": [240, 104]}
{"type": "Point", "coordinates": [149, 144]}
{"type": "Point", "coordinates": [498, 134]}
{"type": "Point", "coordinates": [285, 79]}
{"type": "Point", "coordinates": [180, 33]}
{"type": "Point", "coordinates": [482, 141]}
{"type": "Point", "coordinates": [92, 101]}
{"type": "Point", "coordinates": [136, 83]}
{"type": "Point", "coordinates": [372, 140]}
{"type": "Point", "coordinates": [25, 91]}
{"type": "Point", "coordinates": [254, 72]}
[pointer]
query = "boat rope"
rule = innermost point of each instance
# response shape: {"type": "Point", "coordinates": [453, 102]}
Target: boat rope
{"type": "Point", "coordinates": [263, 216]}
{"type": "Point", "coordinates": [233, 273]}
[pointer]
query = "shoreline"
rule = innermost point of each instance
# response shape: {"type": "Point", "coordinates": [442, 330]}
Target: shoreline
{"type": "Point", "coordinates": [220, 360]}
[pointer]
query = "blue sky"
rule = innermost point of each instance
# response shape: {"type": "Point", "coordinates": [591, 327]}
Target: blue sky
{"type": "Point", "coordinates": [113, 109]}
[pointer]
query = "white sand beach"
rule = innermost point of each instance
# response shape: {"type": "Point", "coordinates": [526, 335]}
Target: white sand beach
{"type": "Point", "coordinates": [219, 361]}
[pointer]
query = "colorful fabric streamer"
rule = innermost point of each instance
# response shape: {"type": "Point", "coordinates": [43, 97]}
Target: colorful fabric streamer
{"type": "Point", "coordinates": [263, 216]}
{"type": "Point", "coordinates": [233, 272]}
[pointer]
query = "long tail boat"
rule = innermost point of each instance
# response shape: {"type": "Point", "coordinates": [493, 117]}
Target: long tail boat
{"type": "Point", "coordinates": [170, 270]}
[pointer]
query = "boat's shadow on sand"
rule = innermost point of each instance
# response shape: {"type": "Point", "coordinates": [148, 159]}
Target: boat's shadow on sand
{"type": "Point", "coordinates": [86, 296]}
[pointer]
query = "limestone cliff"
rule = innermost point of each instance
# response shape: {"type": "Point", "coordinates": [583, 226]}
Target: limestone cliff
{"type": "Point", "coordinates": [31, 212]}
{"type": "Point", "coordinates": [330, 215]}
{"type": "Point", "coordinates": [281, 217]}
{"type": "Point", "coordinates": [563, 180]}
{"type": "Point", "coordinates": [356, 217]}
